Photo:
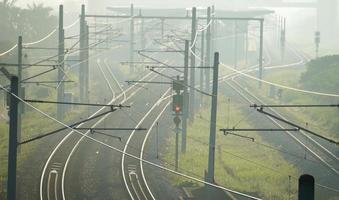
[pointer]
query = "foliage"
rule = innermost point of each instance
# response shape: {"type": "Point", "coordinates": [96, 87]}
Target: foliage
{"type": "Point", "coordinates": [322, 74]}
{"type": "Point", "coordinates": [32, 23]}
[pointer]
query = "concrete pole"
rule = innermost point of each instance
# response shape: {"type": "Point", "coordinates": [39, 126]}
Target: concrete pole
{"type": "Point", "coordinates": [86, 86]}
{"type": "Point", "coordinates": [185, 99]}
{"type": "Point", "coordinates": [192, 71]}
{"type": "Point", "coordinates": [176, 147]}
{"type": "Point", "coordinates": [277, 30]}
{"type": "Point", "coordinates": [131, 41]}
{"type": "Point", "coordinates": [142, 34]}
{"type": "Point", "coordinates": [13, 140]}
{"type": "Point", "coordinates": [20, 90]}
{"type": "Point", "coordinates": [82, 55]}
{"type": "Point", "coordinates": [61, 57]}
{"type": "Point", "coordinates": [261, 52]}
{"type": "Point", "coordinates": [213, 32]}
{"type": "Point", "coordinates": [208, 50]}
{"type": "Point", "coordinates": [202, 64]}
{"type": "Point", "coordinates": [246, 45]}
{"type": "Point", "coordinates": [162, 28]}
{"type": "Point", "coordinates": [235, 44]}
{"type": "Point", "coordinates": [283, 39]}
{"type": "Point", "coordinates": [157, 139]}
{"type": "Point", "coordinates": [213, 125]}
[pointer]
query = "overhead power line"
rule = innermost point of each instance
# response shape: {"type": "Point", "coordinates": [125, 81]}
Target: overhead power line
{"type": "Point", "coordinates": [295, 106]}
{"type": "Point", "coordinates": [128, 154]}
{"type": "Point", "coordinates": [279, 85]}
{"type": "Point", "coordinates": [38, 41]}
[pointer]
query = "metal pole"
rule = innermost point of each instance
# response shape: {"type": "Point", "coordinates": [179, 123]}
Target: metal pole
{"type": "Point", "coordinates": [202, 63]}
{"type": "Point", "coordinates": [82, 54]}
{"type": "Point", "coordinates": [208, 50]}
{"type": "Point", "coordinates": [86, 86]}
{"type": "Point", "coordinates": [142, 35]}
{"type": "Point", "coordinates": [192, 70]}
{"type": "Point", "coordinates": [211, 153]}
{"type": "Point", "coordinates": [131, 40]}
{"type": "Point", "coordinates": [261, 52]}
{"type": "Point", "coordinates": [176, 147]}
{"type": "Point", "coordinates": [13, 139]}
{"type": "Point", "coordinates": [213, 32]}
{"type": "Point", "coordinates": [162, 28]}
{"type": "Point", "coordinates": [246, 38]}
{"type": "Point", "coordinates": [235, 44]}
{"type": "Point", "coordinates": [20, 92]}
{"type": "Point", "coordinates": [157, 140]}
{"type": "Point", "coordinates": [279, 30]}
{"type": "Point", "coordinates": [186, 100]}
{"type": "Point", "coordinates": [283, 38]}
{"type": "Point", "coordinates": [61, 50]}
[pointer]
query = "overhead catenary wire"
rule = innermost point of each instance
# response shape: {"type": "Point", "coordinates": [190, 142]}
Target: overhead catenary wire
{"type": "Point", "coordinates": [280, 85]}
{"type": "Point", "coordinates": [301, 157]}
{"type": "Point", "coordinates": [9, 50]}
{"type": "Point", "coordinates": [128, 154]}
{"type": "Point", "coordinates": [272, 83]}
{"type": "Point", "coordinates": [264, 166]}
{"type": "Point", "coordinates": [200, 30]}
{"type": "Point", "coordinates": [268, 82]}
{"type": "Point", "coordinates": [38, 41]}
{"type": "Point", "coordinates": [259, 164]}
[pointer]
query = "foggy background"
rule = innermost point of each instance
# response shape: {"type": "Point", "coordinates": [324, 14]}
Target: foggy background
{"type": "Point", "coordinates": [294, 16]}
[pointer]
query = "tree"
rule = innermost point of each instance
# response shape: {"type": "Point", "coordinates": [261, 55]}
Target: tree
{"type": "Point", "coordinates": [322, 75]}
{"type": "Point", "coordinates": [32, 23]}
{"type": "Point", "coordinates": [9, 3]}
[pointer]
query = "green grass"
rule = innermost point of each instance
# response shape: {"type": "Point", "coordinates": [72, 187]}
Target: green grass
{"type": "Point", "coordinates": [322, 120]}
{"type": "Point", "coordinates": [34, 124]}
{"type": "Point", "coordinates": [240, 164]}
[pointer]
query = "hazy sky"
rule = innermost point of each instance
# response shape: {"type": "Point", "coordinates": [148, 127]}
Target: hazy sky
{"type": "Point", "coordinates": [151, 3]}
{"type": "Point", "coordinates": [220, 4]}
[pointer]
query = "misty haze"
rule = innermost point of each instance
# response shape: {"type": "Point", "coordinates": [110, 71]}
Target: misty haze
{"type": "Point", "coordinates": [169, 100]}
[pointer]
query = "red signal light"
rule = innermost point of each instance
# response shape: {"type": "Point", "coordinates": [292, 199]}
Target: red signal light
{"type": "Point", "coordinates": [177, 109]}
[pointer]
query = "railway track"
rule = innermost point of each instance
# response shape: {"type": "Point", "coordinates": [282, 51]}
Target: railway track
{"type": "Point", "coordinates": [55, 168]}
{"type": "Point", "coordinates": [324, 155]}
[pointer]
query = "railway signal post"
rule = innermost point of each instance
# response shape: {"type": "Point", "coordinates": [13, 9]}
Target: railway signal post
{"type": "Point", "coordinates": [178, 100]}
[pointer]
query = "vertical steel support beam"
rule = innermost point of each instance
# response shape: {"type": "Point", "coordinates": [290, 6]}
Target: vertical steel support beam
{"type": "Point", "coordinates": [20, 92]}
{"type": "Point", "coordinates": [235, 44]}
{"type": "Point", "coordinates": [162, 28]}
{"type": "Point", "coordinates": [192, 71]}
{"type": "Point", "coordinates": [186, 100]}
{"type": "Point", "coordinates": [131, 40]}
{"type": "Point", "coordinates": [246, 45]}
{"type": "Point", "coordinates": [82, 55]}
{"type": "Point", "coordinates": [208, 50]}
{"type": "Point", "coordinates": [86, 86]}
{"type": "Point", "coordinates": [142, 35]}
{"type": "Point", "coordinates": [202, 64]}
{"type": "Point", "coordinates": [176, 147]}
{"type": "Point", "coordinates": [13, 140]}
{"type": "Point", "coordinates": [157, 139]}
{"type": "Point", "coordinates": [61, 52]}
{"type": "Point", "coordinates": [213, 32]}
{"type": "Point", "coordinates": [261, 52]}
{"type": "Point", "coordinates": [211, 152]}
